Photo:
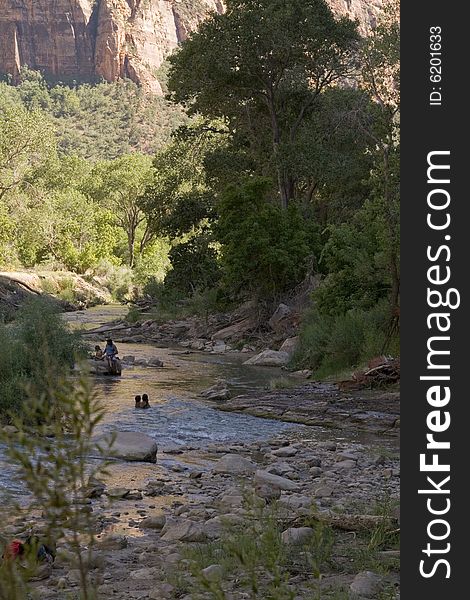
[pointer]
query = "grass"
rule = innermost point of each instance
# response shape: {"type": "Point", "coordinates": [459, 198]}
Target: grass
{"type": "Point", "coordinates": [253, 558]}
{"type": "Point", "coordinates": [338, 345]}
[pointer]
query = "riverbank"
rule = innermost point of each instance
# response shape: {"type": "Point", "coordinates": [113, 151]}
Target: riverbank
{"type": "Point", "coordinates": [167, 533]}
{"type": "Point", "coordinates": [271, 488]}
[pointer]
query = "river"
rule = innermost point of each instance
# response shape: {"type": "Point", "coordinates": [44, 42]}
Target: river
{"type": "Point", "coordinates": [177, 416]}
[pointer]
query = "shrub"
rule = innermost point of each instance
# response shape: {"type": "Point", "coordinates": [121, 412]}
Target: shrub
{"type": "Point", "coordinates": [37, 344]}
{"type": "Point", "coordinates": [330, 344]}
{"type": "Point", "coordinates": [264, 248]}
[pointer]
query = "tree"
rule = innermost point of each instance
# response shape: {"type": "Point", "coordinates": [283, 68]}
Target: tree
{"type": "Point", "coordinates": [27, 142]}
{"type": "Point", "coordinates": [380, 77]}
{"type": "Point", "coordinates": [262, 66]}
{"type": "Point", "coordinates": [118, 185]}
{"type": "Point", "coordinates": [265, 249]}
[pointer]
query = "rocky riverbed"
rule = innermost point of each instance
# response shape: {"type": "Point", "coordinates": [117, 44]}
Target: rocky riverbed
{"type": "Point", "coordinates": [160, 530]}
{"type": "Point", "coordinates": [293, 493]}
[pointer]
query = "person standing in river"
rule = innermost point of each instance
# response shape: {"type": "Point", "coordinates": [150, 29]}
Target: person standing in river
{"type": "Point", "coordinates": [145, 401]}
{"type": "Point", "coordinates": [110, 352]}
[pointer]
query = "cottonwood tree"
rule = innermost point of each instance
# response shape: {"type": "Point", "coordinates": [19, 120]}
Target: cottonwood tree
{"type": "Point", "coordinates": [27, 142]}
{"type": "Point", "coordinates": [261, 66]}
{"type": "Point", "coordinates": [118, 184]}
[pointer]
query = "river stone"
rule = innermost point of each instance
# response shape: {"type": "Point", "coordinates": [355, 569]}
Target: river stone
{"type": "Point", "coordinates": [145, 573]}
{"type": "Point", "coordinates": [154, 362]}
{"type": "Point", "coordinates": [219, 391]}
{"type": "Point", "coordinates": [297, 536]}
{"type": "Point", "coordinates": [234, 465]}
{"type": "Point", "coordinates": [281, 313]}
{"type": "Point", "coordinates": [290, 345]}
{"type": "Point", "coordinates": [267, 492]}
{"type": "Point", "coordinates": [112, 542]}
{"type": "Point", "coordinates": [263, 477]}
{"type": "Point", "coordinates": [118, 493]}
{"type": "Point", "coordinates": [345, 465]}
{"type": "Point", "coordinates": [153, 522]}
{"type": "Point", "coordinates": [215, 527]}
{"type": "Point", "coordinates": [366, 585]}
{"type": "Point", "coordinates": [128, 359]}
{"type": "Point", "coordinates": [269, 358]}
{"type": "Point", "coordinates": [285, 452]}
{"type": "Point", "coordinates": [129, 446]}
{"type": "Point", "coordinates": [186, 531]}
{"type": "Point", "coordinates": [213, 572]}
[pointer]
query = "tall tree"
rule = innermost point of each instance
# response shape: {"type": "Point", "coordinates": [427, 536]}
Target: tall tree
{"type": "Point", "coordinates": [27, 142]}
{"type": "Point", "coordinates": [118, 184]}
{"type": "Point", "coordinates": [380, 77]}
{"type": "Point", "coordinates": [262, 65]}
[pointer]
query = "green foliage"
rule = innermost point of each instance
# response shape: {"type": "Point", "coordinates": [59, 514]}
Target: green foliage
{"type": "Point", "coordinates": [268, 250]}
{"type": "Point", "coordinates": [253, 554]}
{"type": "Point", "coordinates": [118, 279]}
{"type": "Point", "coordinates": [194, 265]}
{"type": "Point", "coordinates": [56, 475]}
{"type": "Point", "coordinates": [102, 120]}
{"type": "Point", "coordinates": [118, 185]}
{"type": "Point", "coordinates": [262, 65]}
{"type": "Point", "coordinates": [330, 344]}
{"type": "Point", "coordinates": [26, 143]}
{"type": "Point", "coordinates": [36, 347]}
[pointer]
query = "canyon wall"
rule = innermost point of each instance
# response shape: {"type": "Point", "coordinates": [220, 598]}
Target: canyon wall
{"type": "Point", "coordinates": [112, 39]}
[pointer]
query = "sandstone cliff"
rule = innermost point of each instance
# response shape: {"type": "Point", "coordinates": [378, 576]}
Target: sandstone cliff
{"type": "Point", "coordinates": [112, 39]}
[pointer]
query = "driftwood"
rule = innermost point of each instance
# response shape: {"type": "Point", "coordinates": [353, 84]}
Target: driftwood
{"type": "Point", "coordinates": [348, 522]}
{"type": "Point", "coordinates": [106, 328]}
{"type": "Point", "coordinates": [381, 371]}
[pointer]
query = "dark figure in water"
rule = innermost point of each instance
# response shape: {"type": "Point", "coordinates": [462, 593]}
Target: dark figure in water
{"type": "Point", "coordinates": [138, 403]}
{"type": "Point", "coordinates": [145, 401]}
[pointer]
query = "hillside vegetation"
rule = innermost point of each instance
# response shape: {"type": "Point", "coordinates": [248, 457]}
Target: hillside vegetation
{"type": "Point", "coordinates": [273, 158]}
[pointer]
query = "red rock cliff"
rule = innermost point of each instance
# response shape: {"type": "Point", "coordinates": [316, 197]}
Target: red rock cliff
{"type": "Point", "coordinates": [112, 38]}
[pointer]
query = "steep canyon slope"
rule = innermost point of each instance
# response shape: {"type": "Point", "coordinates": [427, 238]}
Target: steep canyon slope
{"type": "Point", "coordinates": [112, 39]}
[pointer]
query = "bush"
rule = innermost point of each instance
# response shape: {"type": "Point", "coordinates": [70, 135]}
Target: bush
{"type": "Point", "coordinates": [118, 279]}
{"type": "Point", "coordinates": [330, 344]}
{"type": "Point", "coordinates": [35, 346]}
{"type": "Point", "coordinates": [264, 248]}
{"type": "Point", "coordinates": [195, 265]}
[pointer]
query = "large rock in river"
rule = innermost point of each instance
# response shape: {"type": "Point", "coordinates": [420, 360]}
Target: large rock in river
{"type": "Point", "coordinates": [129, 445]}
{"type": "Point", "coordinates": [269, 358]}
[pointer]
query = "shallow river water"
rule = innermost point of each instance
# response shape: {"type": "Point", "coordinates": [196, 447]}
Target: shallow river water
{"type": "Point", "coordinates": [177, 417]}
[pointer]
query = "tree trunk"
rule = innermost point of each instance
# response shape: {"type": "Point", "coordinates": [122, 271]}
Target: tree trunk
{"type": "Point", "coordinates": [130, 245]}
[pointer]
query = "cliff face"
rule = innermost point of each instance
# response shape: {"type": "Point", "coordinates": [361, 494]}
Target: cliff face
{"type": "Point", "coordinates": [112, 38]}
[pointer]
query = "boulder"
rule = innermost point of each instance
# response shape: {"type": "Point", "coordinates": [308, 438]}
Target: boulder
{"type": "Point", "coordinates": [186, 531]}
{"type": "Point", "coordinates": [281, 313]}
{"type": "Point", "coordinates": [234, 465]}
{"type": "Point", "coordinates": [236, 331]}
{"type": "Point", "coordinates": [154, 362]}
{"type": "Point", "coordinates": [219, 391]}
{"type": "Point", "coordinates": [215, 527]}
{"type": "Point", "coordinates": [267, 492]}
{"type": "Point", "coordinates": [213, 573]}
{"type": "Point", "coordinates": [154, 522]}
{"type": "Point", "coordinates": [286, 451]}
{"type": "Point", "coordinates": [366, 585]}
{"type": "Point", "coordinates": [263, 477]}
{"type": "Point", "coordinates": [128, 359]}
{"type": "Point", "coordinates": [269, 358]}
{"type": "Point", "coordinates": [112, 542]}
{"type": "Point", "coordinates": [290, 345]}
{"type": "Point", "coordinates": [297, 536]}
{"type": "Point", "coordinates": [129, 445]}
{"type": "Point", "coordinates": [118, 493]}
